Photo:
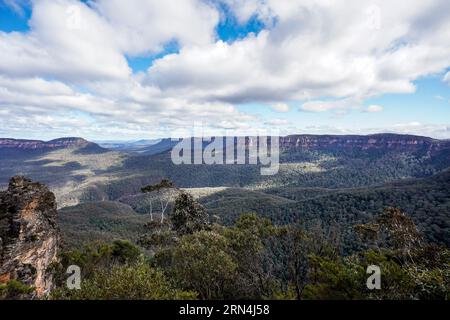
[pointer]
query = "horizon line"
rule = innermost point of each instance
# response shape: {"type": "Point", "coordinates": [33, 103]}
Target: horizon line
{"type": "Point", "coordinates": [167, 138]}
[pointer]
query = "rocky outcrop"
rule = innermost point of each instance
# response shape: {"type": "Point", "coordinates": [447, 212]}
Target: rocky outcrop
{"type": "Point", "coordinates": [29, 236]}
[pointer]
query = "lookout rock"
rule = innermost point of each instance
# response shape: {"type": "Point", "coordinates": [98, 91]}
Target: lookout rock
{"type": "Point", "coordinates": [29, 236]}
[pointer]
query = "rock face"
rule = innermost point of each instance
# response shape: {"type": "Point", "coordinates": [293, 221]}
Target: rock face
{"type": "Point", "coordinates": [36, 144]}
{"type": "Point", "coordinates": [377, 141]}
{"type": "Point", "coordinates": [420, 146]}
{"type": "Point", "coordinates": [29, 236]}
{"type": "Point", "coordinates": [14, 147]}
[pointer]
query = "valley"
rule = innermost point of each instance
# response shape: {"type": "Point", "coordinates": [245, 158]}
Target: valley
{"type": "Point", "coordinates": [328, 180]}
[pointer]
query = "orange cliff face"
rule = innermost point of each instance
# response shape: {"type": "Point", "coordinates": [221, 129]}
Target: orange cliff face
{"type": "Point", "coordinates": [29, 235]}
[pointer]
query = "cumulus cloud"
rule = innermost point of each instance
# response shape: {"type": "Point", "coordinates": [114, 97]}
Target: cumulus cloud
{"type": "Point", "coordinates": [67, 41]}
{"type": "Point", "coordinates": [315, 49]}
{"type": "Point", "coordinates": [438, 131]}
{"type": "Point", "coordinates": [278, 122]}
{"type": "Point", "coordinates": [82, 48]}
{"type": "Point", "coordinates": [280, 107]}
{"type": "Point", "coordinates": [336, 105]}
{"type": "Point", "coordinates": [77, 42]}
{"type": "Point", "coordinates": [145, 26]}
{"type": "Point", "coordinates": [373, 109]}
{"type": "Point", "coordinates": [324, 55]}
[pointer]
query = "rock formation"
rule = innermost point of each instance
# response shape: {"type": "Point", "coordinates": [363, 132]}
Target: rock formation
{"type": "Point", "coordinates": [29, 236]}
{"type": "Point", "coordinates": [14, 147]}
{"type": "Point", "coordinates": [354, 142]}
{"type": "Point", "coordinates": [47, 146]}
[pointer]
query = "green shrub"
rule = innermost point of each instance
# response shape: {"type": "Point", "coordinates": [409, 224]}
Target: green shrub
{"type": "Point", "coordinates": [15, 290]}
{"type": "Point", "coordinates": [130, 282]}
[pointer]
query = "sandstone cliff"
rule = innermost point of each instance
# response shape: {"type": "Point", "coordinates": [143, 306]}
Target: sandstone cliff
{"type": "Point", "coordinates": [353, 142]}
{"type": "Point", "coordinates": [49, 145]}
{"type": "Point", "coordinates": [29, 236]}
{"type": "Point", "coordinates": [14, 147]}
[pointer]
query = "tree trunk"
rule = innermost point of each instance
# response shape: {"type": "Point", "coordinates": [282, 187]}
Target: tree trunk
{"type": "Point", "coordinates": [151, 211]}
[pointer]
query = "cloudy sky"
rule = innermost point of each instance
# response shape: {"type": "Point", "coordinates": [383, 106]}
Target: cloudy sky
{"type": "Point", "coordinates": [114, 69]}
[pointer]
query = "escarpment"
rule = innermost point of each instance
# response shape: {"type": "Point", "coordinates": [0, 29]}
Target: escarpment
{"type": "Point", "coordinates": [29, 235]}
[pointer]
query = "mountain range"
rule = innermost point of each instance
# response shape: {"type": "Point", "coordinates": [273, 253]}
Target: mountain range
{"type": "Point", "coordinates": [322, 179]}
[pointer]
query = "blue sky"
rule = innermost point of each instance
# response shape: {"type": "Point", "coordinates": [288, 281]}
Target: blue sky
{"type": "Point", "coordinates": [228, 30]}
{"type": "Point", "coordinates": [11, 20]}
{"type": "Point", "coordinates": [152, 69]}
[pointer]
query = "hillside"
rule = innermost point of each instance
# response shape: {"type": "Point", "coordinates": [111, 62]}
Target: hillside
{"type": "Point", "coordinates": [426, 200]}
{"type": "Point", "coordinates": [99, 221]}
{"type": "Point", "coordinates": [332, 179]}
{"type": "Point", "coordinates": [139, 146]}
{"type": "Point", "coordinates": [25, 148]}
{"type": "Point", "coordinates": [325, 187]}
{"type": "Point", "coordinates": [306, 161]}
{"type": "Point", "coordinates": [66, 165]}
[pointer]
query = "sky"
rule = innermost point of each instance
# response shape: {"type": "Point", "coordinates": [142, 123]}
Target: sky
{"type": "Point", "coordinates": [143, 69]}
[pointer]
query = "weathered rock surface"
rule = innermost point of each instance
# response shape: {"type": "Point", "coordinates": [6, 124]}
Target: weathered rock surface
{"type": "Point", "coordinates": [29, 235]}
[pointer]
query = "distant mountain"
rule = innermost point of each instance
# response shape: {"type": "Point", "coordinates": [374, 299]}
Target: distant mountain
{"type": "Point", "coordinates": [61, 164]}
{"type": "Point", "coordinates": [338, 143]}
{"type": "Point", "coordinates": [80, 171]}
{"type": "Point", "coordinates": [293, 142]}
{"type": "Point", "coordinates": [333, 179]}
{"type": "Point", "coordinates": [376, 141]}
{"type": "Point", "coordinates": [163, 145]}
{"type": "Point", "coordinates": [139, 146]}
{"type": "Point", "coordinates": [12, 147]}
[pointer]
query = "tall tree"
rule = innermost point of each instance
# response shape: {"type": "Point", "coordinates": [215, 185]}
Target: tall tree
{"type": "Point", "coordinates": [164, 200]}
{"type": "Point", "coordinates": [188, 215]}
{"type": "Point", "coordinates": [201, 262]}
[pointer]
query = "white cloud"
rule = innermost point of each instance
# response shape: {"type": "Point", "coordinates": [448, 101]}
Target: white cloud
{"type": "Point", "coordinates": [280, 107]}
{"type": "Point", "coordinates": [332, 54]}
{"type": "Point", "coordinates": [438, 131]}
{"type": "Point", "coordinates": [74, 42]}
{"type": "Point", "coordinates": [408, 125]}
{"type": "Point", "coordinates": [36, 86]}
{"type": "Point", "coordinates": [278, 122]}
{"type": "Point", "coordinates": [142, 110]}
{"type": "Point", "coordinates": [374, 109]}
{"type": "Point", "coordinates": [145, 26]}
{"type": "Point", "coordinates": [336, 105]}
{"type": "Point", "coordinates": [447, 78]}
{"type": "Point", "coordinates": [68, 41]}
{"type": "Point", "coordinates": [316, 49]}
{"type": "Point", "coordinates": [82, 49]}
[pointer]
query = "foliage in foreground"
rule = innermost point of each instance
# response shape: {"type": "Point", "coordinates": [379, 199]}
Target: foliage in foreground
{"type": "Point", "coordinates": [254, 259]}
{"type": "Point", "coordinates": [138, 281]}
{"type": "Point", "coordinates": [410, 268]}
{"type": "Point", "coordinates": [15, 290]}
